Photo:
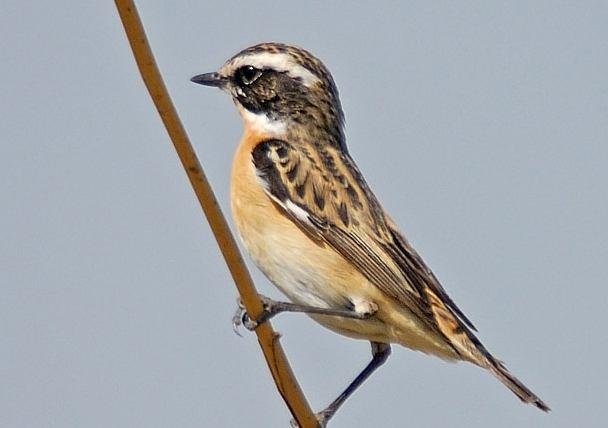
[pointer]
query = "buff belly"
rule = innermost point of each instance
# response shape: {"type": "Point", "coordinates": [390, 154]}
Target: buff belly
{"type": "Point", "coordinates": [312, 273]}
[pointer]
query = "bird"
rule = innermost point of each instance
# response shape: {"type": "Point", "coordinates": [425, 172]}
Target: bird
{"type": "Point", "coordinates": [312, 225]}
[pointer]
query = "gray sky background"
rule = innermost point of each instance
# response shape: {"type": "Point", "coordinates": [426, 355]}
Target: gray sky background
{"type": "Point", "coordinates": [481, 126]}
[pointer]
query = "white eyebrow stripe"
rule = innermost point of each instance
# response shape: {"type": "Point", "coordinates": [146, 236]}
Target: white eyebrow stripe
{"type": "Point", "coordinates": [280, 61]}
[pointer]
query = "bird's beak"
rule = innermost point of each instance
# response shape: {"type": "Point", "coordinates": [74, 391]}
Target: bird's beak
{"type": "Point", "coordinates": [210, 79]}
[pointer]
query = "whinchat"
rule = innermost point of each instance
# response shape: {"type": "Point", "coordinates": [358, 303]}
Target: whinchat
{"type": "Point", "coordinates": [312, 225]}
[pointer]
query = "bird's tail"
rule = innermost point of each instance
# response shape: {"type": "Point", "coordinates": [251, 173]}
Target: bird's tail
{"type": "Point", "coordinates": [498, 369]}
{"type": "Point", "coordinates": [466, 344]}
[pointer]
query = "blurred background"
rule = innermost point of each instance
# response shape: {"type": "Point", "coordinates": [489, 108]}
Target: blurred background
{"type": "Point", "coordinates": [481, 126]}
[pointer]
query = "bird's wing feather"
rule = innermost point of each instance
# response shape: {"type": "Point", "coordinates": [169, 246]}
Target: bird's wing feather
{"type": "Point", "coordinates": [321, 189]}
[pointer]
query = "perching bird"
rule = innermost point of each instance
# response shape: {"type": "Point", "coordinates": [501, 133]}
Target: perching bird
{"type": "Point", "coordinates": [312, 225]}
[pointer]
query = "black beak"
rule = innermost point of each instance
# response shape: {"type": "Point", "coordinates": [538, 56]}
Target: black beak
{"type": "Point", "coordinates": [210, 79]}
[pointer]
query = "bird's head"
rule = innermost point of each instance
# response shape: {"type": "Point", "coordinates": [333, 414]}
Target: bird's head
{"type": "Point", "coordinates": [277, 87]}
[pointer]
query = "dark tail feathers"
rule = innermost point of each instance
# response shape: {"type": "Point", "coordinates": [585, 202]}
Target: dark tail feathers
{"type": "Point", "coordinates": [514, 384]}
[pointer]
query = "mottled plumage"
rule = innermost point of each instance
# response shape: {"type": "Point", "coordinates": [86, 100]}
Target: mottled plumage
{"type": "Point", "coordinates": [313, 226]}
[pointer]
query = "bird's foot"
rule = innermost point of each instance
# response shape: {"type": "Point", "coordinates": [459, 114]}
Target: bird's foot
{"type": "Point", "coordinates": [322, 417]}
{"type": "Point", "coordinates": [362, 310]}
{"type": "Point", "coordinates": [241, 317]}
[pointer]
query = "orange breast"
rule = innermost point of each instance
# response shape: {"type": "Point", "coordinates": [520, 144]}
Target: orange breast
{"type": "Point", "coordinates": [306, 271]}
{"type": "Point", "coordinates": [311, 273]}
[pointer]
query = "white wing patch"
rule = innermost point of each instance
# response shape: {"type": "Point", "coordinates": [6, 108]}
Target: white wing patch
{"type": "Point", "coordinates": [297, 211]}
{"type": "Point", "coordinates": [288, 205]}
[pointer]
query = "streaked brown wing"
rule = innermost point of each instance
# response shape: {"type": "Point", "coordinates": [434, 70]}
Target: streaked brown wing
{"type": "Point", "coordinates": [321, 189]}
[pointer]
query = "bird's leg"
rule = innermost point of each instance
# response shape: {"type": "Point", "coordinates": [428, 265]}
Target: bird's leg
{"type": "Point", "coordinates": [380, 353]}
{"type": "Point", "coordinates": [273, 307]}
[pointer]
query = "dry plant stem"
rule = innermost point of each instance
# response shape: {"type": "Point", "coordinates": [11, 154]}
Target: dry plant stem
{"type": "Point", "coordinates": [268, 339]}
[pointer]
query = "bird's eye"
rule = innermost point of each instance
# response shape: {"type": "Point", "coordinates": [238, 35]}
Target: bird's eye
{"type": "Point", "coordinates": [248, 74]}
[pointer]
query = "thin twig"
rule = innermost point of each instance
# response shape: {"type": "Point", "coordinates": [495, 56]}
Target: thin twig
{"type": "Point", "coordinates": [269, 340]}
